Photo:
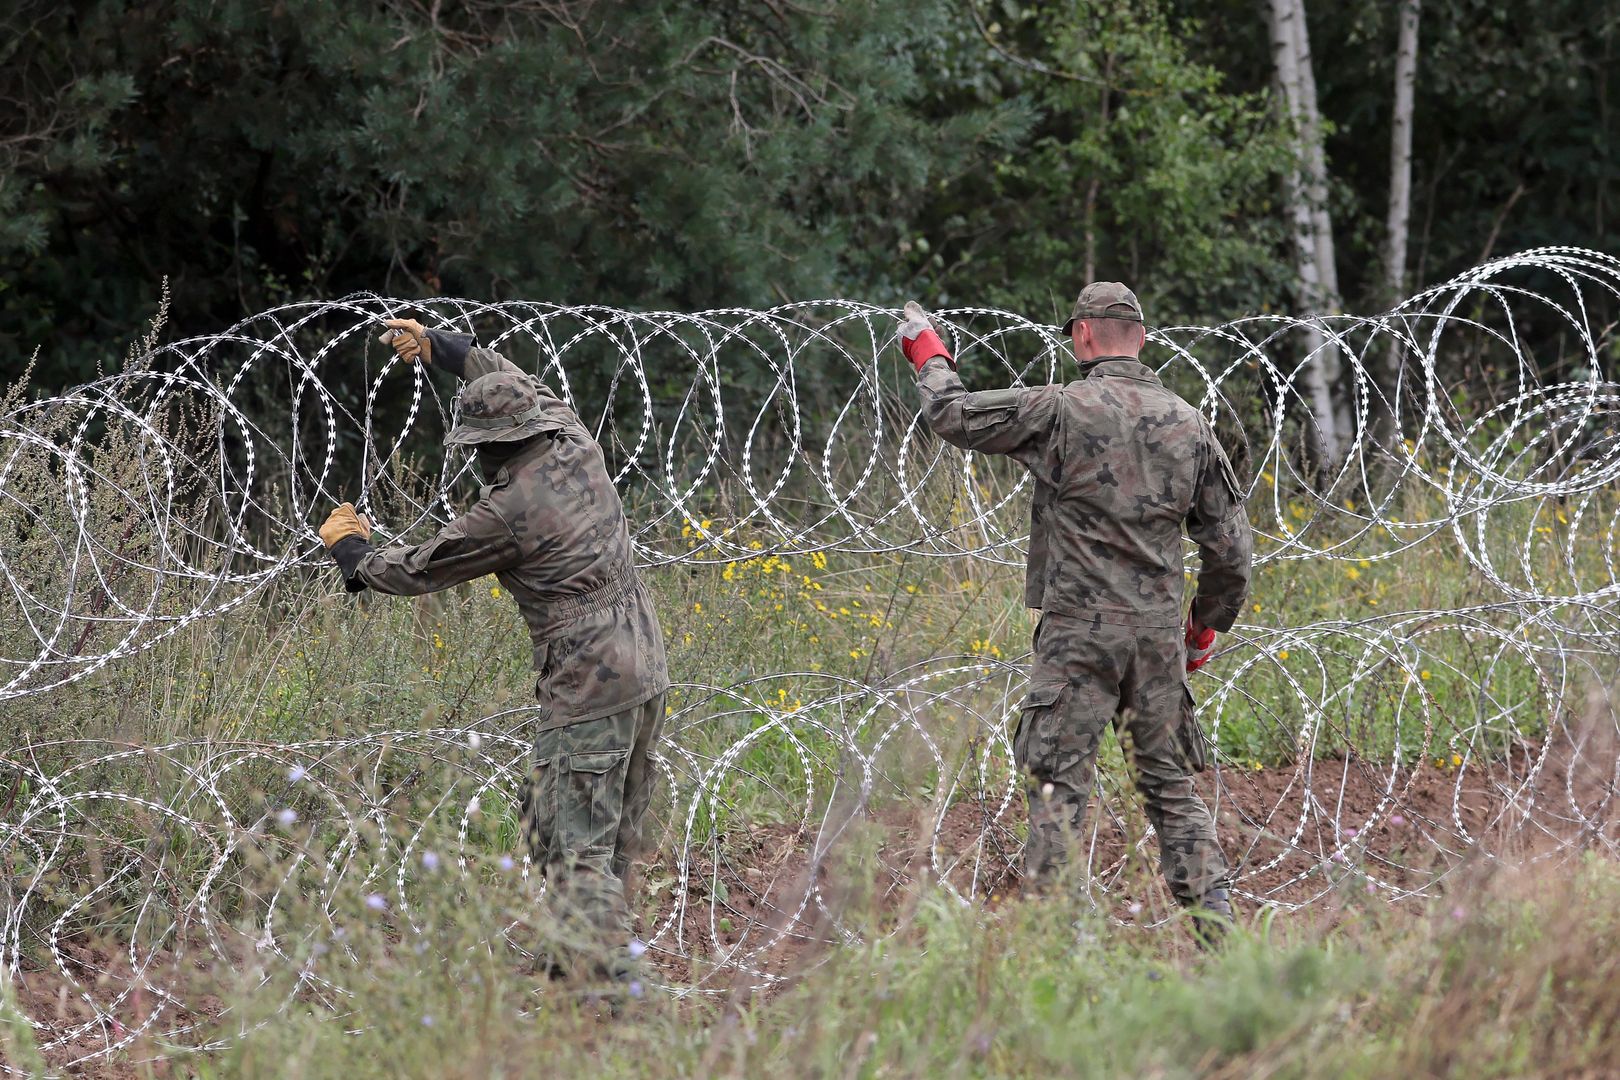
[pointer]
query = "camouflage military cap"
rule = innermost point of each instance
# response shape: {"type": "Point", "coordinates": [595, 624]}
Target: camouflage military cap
{"type": "Point", "coordinates": [1104, 300]}
{"type": "Point", "coordinates": [499, 407]}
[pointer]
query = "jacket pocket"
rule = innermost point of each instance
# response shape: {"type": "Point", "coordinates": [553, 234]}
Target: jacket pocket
{"type": "Point", "coordinates": [990, 408]}
{"type": "Point", "coordinates": [450, 535]}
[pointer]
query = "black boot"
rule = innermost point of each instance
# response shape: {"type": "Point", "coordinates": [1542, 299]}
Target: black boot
{"type": "Point", "coordinates": [1212, 918]}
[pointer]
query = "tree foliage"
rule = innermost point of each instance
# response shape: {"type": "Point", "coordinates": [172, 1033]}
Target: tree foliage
{"type": "Point", "coordinates": [686, 154]}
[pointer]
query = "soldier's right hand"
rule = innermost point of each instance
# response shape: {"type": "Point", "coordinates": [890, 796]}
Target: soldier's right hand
{"type": "Point", "coordinates": [409, 339]}
{"type": "Point", "coordinates": [1200, 643]}
{"type": "Point", "coordinates": [918, 341]}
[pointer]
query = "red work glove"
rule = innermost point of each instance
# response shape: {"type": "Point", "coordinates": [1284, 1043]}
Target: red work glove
{"type": "Point", "coordinates": [1200, 643]}
{"type": "Point", "coordinates": [918, 341]}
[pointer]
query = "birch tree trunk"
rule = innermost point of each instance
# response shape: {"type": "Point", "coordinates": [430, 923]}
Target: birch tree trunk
{"type": "Point", "coordinates": [1396, 225]}
{"type": "Point", "coordinates": [1306, 192]}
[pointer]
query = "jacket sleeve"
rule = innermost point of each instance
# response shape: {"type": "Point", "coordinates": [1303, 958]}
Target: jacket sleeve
{"type": "Point", "coordinates": [457, 354]}
{"type": "Point", "coordinates": [1219, 525]}
{"type": "Point", "coordinates": [462, 357]}
{"type": "Point", "coordinates": [1017, 421]}
{"type": "Point", "coordinates": [477, 543]}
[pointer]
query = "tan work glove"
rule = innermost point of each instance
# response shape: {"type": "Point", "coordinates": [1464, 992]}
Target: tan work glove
{"type": "Point", "coordinates": [409, 339]}
{"type": "Point", "coordinates": [343, 523]}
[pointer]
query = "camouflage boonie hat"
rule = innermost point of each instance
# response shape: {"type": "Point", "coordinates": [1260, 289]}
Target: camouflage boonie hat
{"type": "Point", "coordinates": [499, 407]}
{"type": "Point", "coordinates": [1104, 300]}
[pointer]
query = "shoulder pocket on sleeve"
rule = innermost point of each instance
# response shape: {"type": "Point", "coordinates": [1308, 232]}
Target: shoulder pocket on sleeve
{"type": "Point", "coordinates": [987, 408]}
{"type": "Point", "coordinates": [417, 561]}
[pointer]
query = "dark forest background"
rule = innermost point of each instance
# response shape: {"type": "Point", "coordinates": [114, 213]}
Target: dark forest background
{"type": "Point", "coordinates": [687, 154]}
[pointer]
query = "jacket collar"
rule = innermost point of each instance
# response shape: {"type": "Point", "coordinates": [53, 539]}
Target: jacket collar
{"type": "Point", "coordinates": [1126, 366]}
{"type": "Point", "coordinates": [503, 475]}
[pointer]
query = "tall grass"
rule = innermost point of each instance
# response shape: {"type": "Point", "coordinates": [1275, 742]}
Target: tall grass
{"type": "Point", "coordinates": [1509, 975]}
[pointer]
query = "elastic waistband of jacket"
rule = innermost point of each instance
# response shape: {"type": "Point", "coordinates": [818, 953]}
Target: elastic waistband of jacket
{"type": "Point", "coordinates": [615, 590]}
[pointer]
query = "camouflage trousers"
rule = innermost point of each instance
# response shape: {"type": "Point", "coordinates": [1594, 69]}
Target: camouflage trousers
{"type": "Point", "coordinates": [1089, 674]}
{"type": "Point", "coordinates": [583, 814]}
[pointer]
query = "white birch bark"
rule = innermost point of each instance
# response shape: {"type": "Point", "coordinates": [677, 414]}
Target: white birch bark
{"type": "Point", "coordinates": [1397, 221]}
{"type": "Point", "coordinates": [1307, 185]}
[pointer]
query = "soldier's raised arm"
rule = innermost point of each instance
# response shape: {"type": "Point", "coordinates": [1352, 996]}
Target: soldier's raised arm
{"type": "Point", "coordinates": [1016, 421]}
{"type": "Point", "coordinates": [444, 349]}
{"type": "Point", "coordinates": [1219, 525]}
{"type": "Point", "coordinates": [458, 354]}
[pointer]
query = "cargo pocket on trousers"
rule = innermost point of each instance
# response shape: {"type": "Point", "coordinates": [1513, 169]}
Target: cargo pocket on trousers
{"type": "Point", "coordinates": [539, 816]}
{"type": "Point", "coordinates": [594, 802]}
{"type": "Point", "coordinates": [1189, 736]}
{"type": "Point", "coordinates": [1035, 741]}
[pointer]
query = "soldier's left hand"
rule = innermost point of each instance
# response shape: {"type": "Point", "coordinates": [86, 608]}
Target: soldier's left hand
{"type": "Point", "coordinates": [1200, 643]}
{"type": "Point", "coordinates": [409, 339]}
{"type": "Point", "coordinates": [918, 341]}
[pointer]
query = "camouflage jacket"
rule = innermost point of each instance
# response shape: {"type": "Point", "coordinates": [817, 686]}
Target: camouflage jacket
{"type": "Point", "coordinates": [549, 525]}
{"type": "Point", "coordinates": [1121, 464]}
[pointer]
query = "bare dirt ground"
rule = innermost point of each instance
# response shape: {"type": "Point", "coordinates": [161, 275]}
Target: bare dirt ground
{"type": "Point", "coordinates": [1310, 840]}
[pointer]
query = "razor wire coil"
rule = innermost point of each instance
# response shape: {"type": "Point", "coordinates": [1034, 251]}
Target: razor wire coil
{"type": "Point", "coordinates": [152, 499]}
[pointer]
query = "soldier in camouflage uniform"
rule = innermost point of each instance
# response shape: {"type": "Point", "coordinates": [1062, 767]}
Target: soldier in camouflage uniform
{"type": "Point", "coordinates": [550, 527]}
{"type": "Point", "coordinates": [1121, 466]}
